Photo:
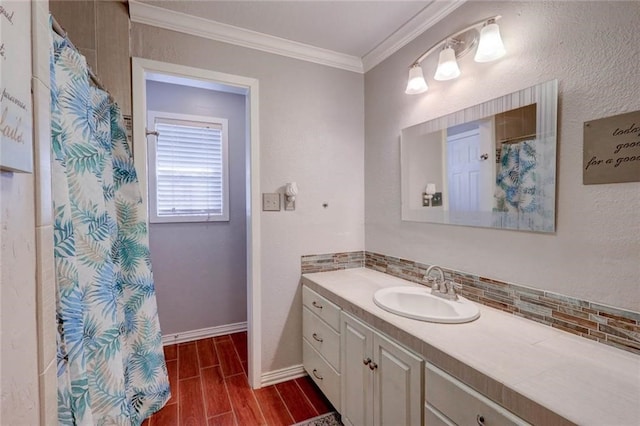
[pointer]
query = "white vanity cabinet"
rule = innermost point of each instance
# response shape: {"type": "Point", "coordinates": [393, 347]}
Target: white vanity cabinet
{"type": "Point", "coordinates": [321, 343]}
{"type": "Point", "coordinates": [450, 402]}
{"type": "Point", "coordinates": [401, 390]}
{"type": "Point", "coordinates": [381, 381]}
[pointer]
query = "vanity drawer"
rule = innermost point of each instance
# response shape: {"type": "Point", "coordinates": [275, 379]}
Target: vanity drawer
{"type": "Point", "coordinates": [461, 404]}
{"type": "Point", "coordinates": [320, 306]}
{"type": "Point", "coordinates": [322, 337]}
{"type": "Point", "coordinates": [433, 417]}
{"type": "Point", "coordinates": [327, 379]}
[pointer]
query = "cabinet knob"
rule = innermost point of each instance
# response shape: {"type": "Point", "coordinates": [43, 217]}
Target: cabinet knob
{"type": "Point", "coordinates": [480, 420]}
{"type": "Point", "coordinates": [316, 305]}
{"type": "Point", "coordinates": [373, 366]}
{"type": "Point", "coordinates": [315, 373]}
{"type": "Point", "coordinates": [366, 361]}
{"type": "Point", "coordinates": [316, 338]}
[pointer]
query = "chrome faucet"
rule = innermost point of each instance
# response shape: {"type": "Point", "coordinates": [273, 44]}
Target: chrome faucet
{"type": "Point", "coordinates": [442, 288]}
{"type": "Point", "coordinates": [435, 284]}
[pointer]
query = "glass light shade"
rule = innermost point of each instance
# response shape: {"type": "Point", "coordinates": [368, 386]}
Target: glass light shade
{"type": "Point", "coordinates": [417, 83]}
{"type": "Point", "coordinates": [291, 189]}
{"type": "Point", "coordinates": [490, 46]}
{"type": "Point", "coordinates": [447, 65]}
{"type": "Point", "coordinates": [430, 189]}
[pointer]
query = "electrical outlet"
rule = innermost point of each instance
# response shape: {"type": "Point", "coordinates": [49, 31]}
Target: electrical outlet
{"type": "Point", "coordinates": [436, 200]}
{"type": "Point", "coordinates": [271, 202]}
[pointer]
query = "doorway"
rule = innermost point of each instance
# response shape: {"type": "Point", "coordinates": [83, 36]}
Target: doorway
{"type": "Point", "coordinates": [168, 78]}
{"type": "Point", "coordinates": [463, 155]}
{"type": "Point", "coordinates": [470, 175]}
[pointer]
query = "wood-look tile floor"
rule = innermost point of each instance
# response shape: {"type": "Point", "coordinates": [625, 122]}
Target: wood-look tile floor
{"type": "Point", "coordinates": [209, 387]}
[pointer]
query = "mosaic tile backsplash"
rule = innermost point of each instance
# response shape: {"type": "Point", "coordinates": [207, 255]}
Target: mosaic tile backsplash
{"type": "Point", "coordinates": [604, 324]}
{"type": "Point", "coordinates": [332, 262]}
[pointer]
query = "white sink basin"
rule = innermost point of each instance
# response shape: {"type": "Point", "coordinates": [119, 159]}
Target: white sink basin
{"type": "Point", "coordinates": [418, 303]}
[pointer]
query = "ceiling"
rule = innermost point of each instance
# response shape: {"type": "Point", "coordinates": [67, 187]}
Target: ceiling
{"type": "Point", "coordinates": [350, 27]}
{"type": "Point", "coordinates": [366, 30]}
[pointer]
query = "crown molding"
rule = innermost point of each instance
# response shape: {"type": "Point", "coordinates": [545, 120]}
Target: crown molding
{"type": "Point", "coordinates": [428, 17]}
{"type": "Point", "coordinates": [177, 21]}
{"type": "Point", "coordinates": [148, 14]}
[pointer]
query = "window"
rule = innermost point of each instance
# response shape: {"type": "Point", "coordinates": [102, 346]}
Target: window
{"type": "Point", "coordinates": [188, 169]}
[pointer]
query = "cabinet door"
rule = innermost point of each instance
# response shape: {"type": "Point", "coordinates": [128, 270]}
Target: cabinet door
{"type": "Point", "coordinates": [398, 384]}
{"type": "Point", "coordinates": [356, 377]}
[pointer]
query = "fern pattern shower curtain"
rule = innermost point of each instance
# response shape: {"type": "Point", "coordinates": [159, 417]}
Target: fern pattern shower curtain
{"type": "Point", "coordinates": [111, 367]}
{"type": "Point", "coordinates": [524, 182]}
{"type": "Point", "coordinates": [516, 179]}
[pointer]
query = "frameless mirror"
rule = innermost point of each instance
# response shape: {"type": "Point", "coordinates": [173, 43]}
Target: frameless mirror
{"type": "Point", "coordinates": [490, 165]}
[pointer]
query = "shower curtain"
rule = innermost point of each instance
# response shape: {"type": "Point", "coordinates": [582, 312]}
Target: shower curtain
{"type": "Point", "coordinates": [519, 200]}
{"type": "Point", "coordinates": [516, 179]}
{"type": "Point", "coordinates": [111, 367]}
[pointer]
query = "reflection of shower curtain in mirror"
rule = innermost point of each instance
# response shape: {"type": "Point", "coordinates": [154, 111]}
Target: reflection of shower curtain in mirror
{"type": "Point", "coordinates": [111, 367]}
{"type": "Point", "coordinates": [516, 178]}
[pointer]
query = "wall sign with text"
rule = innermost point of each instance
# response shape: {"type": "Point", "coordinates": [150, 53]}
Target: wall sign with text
{"type": "Point", "coordinates": [16, 120]}
{"type": "Point", "coordinates": [612, 149]}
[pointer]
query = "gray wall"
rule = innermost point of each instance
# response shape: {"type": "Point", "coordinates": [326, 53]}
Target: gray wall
{"type": "Point", "coordinates": [311, 132]}
{"type": "Point", "coordinates": [200, 268]}
{"type": "Point", "coordinates": [592, 48]}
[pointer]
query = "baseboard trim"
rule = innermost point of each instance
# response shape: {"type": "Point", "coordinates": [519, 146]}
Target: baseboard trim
{"type": "Point", "coordinates": [282, 375]}
{"type": "Point", "coordinates": [203, 333]}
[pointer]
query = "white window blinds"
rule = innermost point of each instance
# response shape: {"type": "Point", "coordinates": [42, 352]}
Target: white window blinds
{"type": "Point", "coordinates": [190, 171]}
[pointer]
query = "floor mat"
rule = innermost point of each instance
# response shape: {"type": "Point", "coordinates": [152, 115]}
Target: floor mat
{"type": "Point", "coordinates": [329, 419]}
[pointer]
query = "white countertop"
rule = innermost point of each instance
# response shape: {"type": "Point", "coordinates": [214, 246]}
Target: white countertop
{"type": "Point", "coordinates": [583, 381]}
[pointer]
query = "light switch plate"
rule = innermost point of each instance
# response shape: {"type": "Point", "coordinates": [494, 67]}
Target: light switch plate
{"type": "Point", "coordinates": [271, 202]}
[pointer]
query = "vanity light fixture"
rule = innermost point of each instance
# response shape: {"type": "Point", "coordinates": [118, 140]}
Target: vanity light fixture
{"type": "Point", "coordinates": [290, 192]}
{"type": "Point", "coordinates": [485, 34]}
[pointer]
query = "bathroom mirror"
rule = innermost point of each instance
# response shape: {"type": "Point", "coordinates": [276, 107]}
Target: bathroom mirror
{"type": "Point", "coordinates": [490, 165]}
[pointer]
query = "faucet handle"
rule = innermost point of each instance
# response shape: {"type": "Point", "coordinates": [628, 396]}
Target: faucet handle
{"type": "Point", "coordinates": [431, 280]}
{"type": "Point", "coordinates": [451, 289]}
{"type": "Point", "coordinates": [434, 284]}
